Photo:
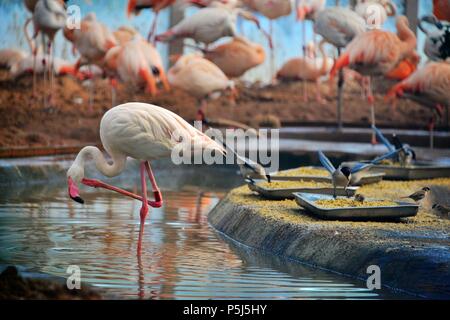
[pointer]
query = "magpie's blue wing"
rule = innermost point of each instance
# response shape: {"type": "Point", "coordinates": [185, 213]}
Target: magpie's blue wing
{"type": "Point", "coordinates": [326, 163]}
{"type": "Point", "coordinates": [388, 155]}
{"type": "Point", "coordinates": [383, 139]}
{"type": "Point", "coordinates": [361, 166]}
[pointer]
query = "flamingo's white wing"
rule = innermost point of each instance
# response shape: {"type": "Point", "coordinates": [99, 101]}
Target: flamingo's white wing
{"type": "Point", "coordinates": [339, 25]}
{"type": "Point", "coordinates": [50, 13]}
{"type": "Point", "coordinates": [206, 25]}
{"type": "Point", "coordinates": [145, 131]}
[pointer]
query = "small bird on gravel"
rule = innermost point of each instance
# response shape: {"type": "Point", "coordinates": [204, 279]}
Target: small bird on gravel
{"type": "Point", "coordinates": [359, 197]}
{"type": "Point", "coordinates": [252, 170]}
{"type": "Point", "coordinates": [418, 195]}
{"type": "Point", "coordinates": [441, 209]}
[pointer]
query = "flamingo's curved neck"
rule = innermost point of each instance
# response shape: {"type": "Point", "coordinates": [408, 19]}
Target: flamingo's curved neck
{"type": "Point", "coordinates": [109, 170]}
{"type": "Point", "coordinates": [407, 36]}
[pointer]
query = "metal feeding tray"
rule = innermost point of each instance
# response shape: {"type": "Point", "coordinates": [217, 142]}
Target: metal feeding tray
{"type": "Point", "coordinates": [401, 210]}
{"type": "Point", "coordinates": [276, 177]}
{"type": "Point", "coordinates": [418, 170]}
{"type": "Point", "coordinates": [288, 193]}
{"type": "Point", "coordinates": [363, 178]}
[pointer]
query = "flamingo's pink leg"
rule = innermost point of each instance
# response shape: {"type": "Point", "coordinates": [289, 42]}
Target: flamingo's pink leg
{"type": "Point", "coordinates": [144, 208]}
{"type": "Point", "coordinates": [371, 100]}
{"type": "Point", "coordinates": [318, 93]}
{"type": "Point", "coordinates": [100, 184]}
{"type": "Point", "coordinates": [158, 197]}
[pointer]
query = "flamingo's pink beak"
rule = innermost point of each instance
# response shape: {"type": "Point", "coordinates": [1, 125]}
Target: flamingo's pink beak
{"type": "Point", "coordinates": [73, 191]}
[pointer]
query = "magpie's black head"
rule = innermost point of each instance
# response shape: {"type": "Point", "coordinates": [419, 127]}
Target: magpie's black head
{"type": "Point", "coordinates": [346, 171]}
{"type": "Point", "coordinates": [155, 71]}
{"type": "Point", "coordinates": [426, 189]}
{"type": "Point", "coordinates": [396, 141]}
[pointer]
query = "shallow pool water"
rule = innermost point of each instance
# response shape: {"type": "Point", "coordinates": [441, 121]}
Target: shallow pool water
{"type": "Point", "coordinates": [183, 256]}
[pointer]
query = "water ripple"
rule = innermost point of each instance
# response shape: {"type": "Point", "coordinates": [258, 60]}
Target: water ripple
{"type": "Point", "coordinates": [182, 257]}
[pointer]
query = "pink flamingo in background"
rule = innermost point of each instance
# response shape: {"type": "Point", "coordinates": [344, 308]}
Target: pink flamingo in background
{"type": "Point", "coordinates": [8, 57]}
{"type": "Point", "coordinates": [135, 6]}
{"type": "Point", "coordinates": [200, 78]}
{"type": "Point", "coordinates": [306, 68]}
{"type": "Point", "coordinates": [141, 131]}
{"type": "Point", "coordinates": [28, 65]}
{"type": "Point", "coordinates": [377, 52]}
{"type": "Point", "coordinates": [429, 86]}
{"type": "Point", "coordinates": [236, 57]}
{"type": "Point", "coordinates": [92, 41]}
{"type": "Point", "coordinates": [137, 63]}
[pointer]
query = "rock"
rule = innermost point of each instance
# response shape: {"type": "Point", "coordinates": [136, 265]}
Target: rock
{"type": "Point", "coordinates": [13, 287]}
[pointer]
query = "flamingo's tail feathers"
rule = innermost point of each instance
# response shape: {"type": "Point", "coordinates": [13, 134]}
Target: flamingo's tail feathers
{"type": "Point", "coordinates": [131, 7]}
{"type": "Point", "coordinates": [67, 69]}
{"type": "Point", "coordinates": [149, 80]}
{"type": "Point", "coordinates": [341, 62]}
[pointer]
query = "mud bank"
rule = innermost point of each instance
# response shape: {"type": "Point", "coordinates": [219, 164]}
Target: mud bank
{"type": "Point", "coordinates": [413, 254]}
{"type": "Point", "coordinates": [13, 286]}
{"type": "Point", "coordinates": [70, 120]}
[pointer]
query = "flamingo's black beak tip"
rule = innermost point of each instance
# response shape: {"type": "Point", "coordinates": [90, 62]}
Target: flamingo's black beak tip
{"type": "Point", "coordinates": [77, 199]}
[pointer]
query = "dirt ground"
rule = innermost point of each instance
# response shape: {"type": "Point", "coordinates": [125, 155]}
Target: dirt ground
{"type": "Point", "coordinates": [69, 121]}
{"type": "Point", "coordinates": [14, 287]}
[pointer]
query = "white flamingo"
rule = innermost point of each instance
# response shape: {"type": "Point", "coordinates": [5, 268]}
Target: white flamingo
{"type": "Point", "coordinates": [200, 78]}
{"type": "Point", "coordinates": [208, 25]}
{"type": "Point", "coordinates": [338, 26]}
{"type": "Point", "coordinates": [375, 12]}
{"type": "Point", "coordinates": [8, 57]}
{"type": "Point", "coordinates": [30, 5]}
{"type": "Point", "coordinates": [27, 65]}
{"type": "Point", "coordinates": [428, 86]}
{"type": "Point", "coordinates": [49, 17]}
{"type": "Point", "coordinates": [141, 131]}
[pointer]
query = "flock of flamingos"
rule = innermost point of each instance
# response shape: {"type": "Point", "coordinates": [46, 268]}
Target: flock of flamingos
{"type": "Point", "coordinates": [144, 131]}
{"type": "Point", "coordinates": [364, 48]}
